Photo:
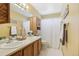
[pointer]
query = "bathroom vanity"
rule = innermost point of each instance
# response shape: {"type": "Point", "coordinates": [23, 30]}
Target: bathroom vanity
{"type": "Point", "coordinates": [28, 47]}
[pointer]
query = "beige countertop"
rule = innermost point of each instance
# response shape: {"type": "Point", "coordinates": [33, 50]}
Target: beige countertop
{"type": "Point", "coordinates": [26, 42]}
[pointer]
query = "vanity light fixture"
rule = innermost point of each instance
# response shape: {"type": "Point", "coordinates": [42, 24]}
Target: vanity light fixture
{"type": "Point", "coordinates": [27, 7]}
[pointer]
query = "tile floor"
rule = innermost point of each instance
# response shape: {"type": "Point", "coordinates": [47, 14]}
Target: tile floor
{"type": "Point", "coordinates": [49, 51]}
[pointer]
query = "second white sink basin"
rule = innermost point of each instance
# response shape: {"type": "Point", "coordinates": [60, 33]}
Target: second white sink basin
{"type": "Point", "coordinates": [11, 45]}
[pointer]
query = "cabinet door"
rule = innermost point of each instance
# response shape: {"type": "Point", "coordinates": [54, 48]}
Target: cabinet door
{"type": "Point", "coordinates": [18, 53]}
{"type": "Point", "coordinates": [4, 12]}
{"type": "Point", "coordinates": [28, 51]}
{"type": "Point", "coordinates": [39, 45]}
{"type": "Point", "coordinates": [36, 49]}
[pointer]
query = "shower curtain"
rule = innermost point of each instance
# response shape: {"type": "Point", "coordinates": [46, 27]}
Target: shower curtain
{"type": "Point", "coordinates": [50, 31]}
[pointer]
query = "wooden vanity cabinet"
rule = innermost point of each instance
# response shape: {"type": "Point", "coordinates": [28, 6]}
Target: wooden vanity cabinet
{"type": "Point", "coordinates": [32, 49]}
{"type": "Point", "coordinates": [36, 51]}
{"type": "Point", "coordinates": [4, 13]}
{"type": "Point", "coordinates": [18, 53]}
{"type": "Point", "coordinates": [28, 51]}
{"type": "Point", "coordinates": [37, 47]}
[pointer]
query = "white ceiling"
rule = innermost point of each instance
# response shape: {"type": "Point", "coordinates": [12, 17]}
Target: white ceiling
{"type": "Point", "coordinates": [48, 8]}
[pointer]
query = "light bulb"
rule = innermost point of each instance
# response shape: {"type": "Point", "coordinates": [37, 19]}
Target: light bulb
{"type": "Point", "coordinates": [27, 7]}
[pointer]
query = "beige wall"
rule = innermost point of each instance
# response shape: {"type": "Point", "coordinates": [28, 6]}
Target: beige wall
{"type": "Point", "coordinates": [72, 48]}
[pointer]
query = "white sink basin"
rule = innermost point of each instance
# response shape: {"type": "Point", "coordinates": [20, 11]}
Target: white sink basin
{"type": "Point", "coordinates": [11, 45]}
